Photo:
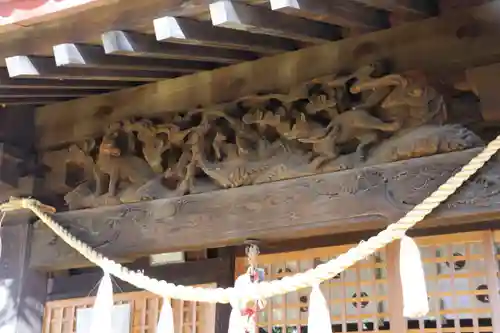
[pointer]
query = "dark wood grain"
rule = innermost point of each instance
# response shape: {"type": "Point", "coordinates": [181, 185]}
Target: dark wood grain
{"type": "Point", "coordinates": [335, 203]}
{"type": "Point", "coordinates": [37, 67]}
{"type": "Point", "coordinates": [91, 56]}
{"type": "Point", "coordinates": [47, 92]}
{"type": "Point", "coordinates": [344, 13]}
{"type": "Point", "coordinates": [239, 16]}
{"type": "Point", "coordinates": [7, 82]}
{"type": "Point", "coordinates": [406, 46]}
{"type": "Point", "coordinates": [34, 100]}
{"type": "Point", "coordinates": [135, 44]}
{"type": "Point", "coordinates": [413, 7]}
{"type": "Point", "coordinates": [192, 32]}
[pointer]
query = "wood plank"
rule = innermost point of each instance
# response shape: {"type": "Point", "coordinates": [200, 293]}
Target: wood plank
{"type": "Point", "coordinates": [192, 32]}
{"type": "Point", "coordinates": [225, 280]}
{"type": "Point", "coordinates": [136, 44]}
{"type": "Point", "coordinates": [91, 56]}
{"type": "Point", "coordinates": [28, 100]}
{"type": "Point", "coordinates": [420, 8]}
{"type": "Point", "coordinates": [32, 84]}
{"type": "Point", "coordinates": [257, 19]}
{"type": "Point", "coordinates": [47, 92]}
{"type": "Point", "coordinates": [344, 13]}
{"type": "Point", "coordinates": [37, 67]}
{"type": "Point", "coordinates": [189, 273]}
{"type": "Point", "coordinates": [335, 203]}
{"type": "Point", "coordinates": [406, 46]}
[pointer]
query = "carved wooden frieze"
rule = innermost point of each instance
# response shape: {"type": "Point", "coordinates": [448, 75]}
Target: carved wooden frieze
{"type": "Point", "coordinates": [328, 124]}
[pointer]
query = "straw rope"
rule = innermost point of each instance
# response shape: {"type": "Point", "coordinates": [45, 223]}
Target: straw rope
{"type": "Point", "coordinates": [271, 288]}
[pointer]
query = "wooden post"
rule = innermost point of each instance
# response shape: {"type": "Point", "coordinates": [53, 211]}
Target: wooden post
{"type": "Point", "coordinates": [23, 290]}
{"type": "Point", "coordinates": [226, 279]}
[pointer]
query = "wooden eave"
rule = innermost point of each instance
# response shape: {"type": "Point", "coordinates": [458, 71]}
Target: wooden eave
{"type": "Point", "coordinates": [101, 46]}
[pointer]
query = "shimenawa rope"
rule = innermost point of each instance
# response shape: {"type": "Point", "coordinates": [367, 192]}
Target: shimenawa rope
{"type": "Point", "coordinates": [271, 288]}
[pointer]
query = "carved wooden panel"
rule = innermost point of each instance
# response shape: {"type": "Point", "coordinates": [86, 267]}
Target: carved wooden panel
{"type": "Point", "coordinates": [458, 271]}
{"type": "Point", "coordinates": [189, 317]}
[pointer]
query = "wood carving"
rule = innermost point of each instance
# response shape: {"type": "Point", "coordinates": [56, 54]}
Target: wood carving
{"type": "Point", "coordinates": [367, 198]}
{"type": "Point", "coordinates": [327, 124]}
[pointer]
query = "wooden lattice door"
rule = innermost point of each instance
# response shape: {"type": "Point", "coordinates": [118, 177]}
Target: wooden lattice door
{"type": "Point", "coordinates": [461, 274]}
{"type": "Point", "coordinates": [189, 317]}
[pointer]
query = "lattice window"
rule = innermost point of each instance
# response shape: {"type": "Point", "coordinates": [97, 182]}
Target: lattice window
{"type": "Point", "coordinates": [456, 269]}
{"type": "Point", "coordinates": [189, 317]}
{"type": "Point", "coordinates": [358, 297]}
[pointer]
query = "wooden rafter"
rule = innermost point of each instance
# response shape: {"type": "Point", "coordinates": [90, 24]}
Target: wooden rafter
{"type": "Point", "coordinates": [45, 68]}
{"type": "Point", "coordinates": [90, 56]}
{"type": "Point", "coordinates": [342, 13]}
{"type": "Point", "coordinates": [189, 31]}
{"type": "Point", "coordinates": [238, 16]}
{"type": "Point", "coordinates": [135, 44]}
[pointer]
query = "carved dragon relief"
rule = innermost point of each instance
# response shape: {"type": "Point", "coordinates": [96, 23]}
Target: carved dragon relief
{"type": "Point", "coordinates": [328, 124]}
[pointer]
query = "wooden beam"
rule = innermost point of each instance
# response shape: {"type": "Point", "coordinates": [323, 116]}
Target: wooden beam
{"type": "Point", "coordinates": [28, 100]}
{"type": "Point", "coordinates": [189, 273]}
{"type": "Point", "coordinates": [188, 31]}
{"type": "Point", "coordinates": [340, 12]}
{"type": "Point", "coordinates": [47, 92]}
{"type": "Point", "coordinates": [37, 67]}
{"type": "Point", "coordinates": [7, 82]}
{"type": "Point", "coordinates": [257, 19]}
{"type": "Point", "coordinates": [406, 46]}
{"type": "Point", "coordinates": [135, 44]}
{"type": "Point", "coordinates": [90, 56]}
{"type": "Point", "coordinates": [335, 203]}
{"type": "Point", "coordinates": [419, 8]}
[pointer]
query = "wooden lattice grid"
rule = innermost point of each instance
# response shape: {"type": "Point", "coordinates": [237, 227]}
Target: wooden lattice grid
{"type": "Point", "coordinates": [459, 270]}
{"type": "Point", "coordinates": [457, 274]}
{"type": "Point", "coordinates": [189, 317]}
{"type": "Point", "coordinates": [358, 297]}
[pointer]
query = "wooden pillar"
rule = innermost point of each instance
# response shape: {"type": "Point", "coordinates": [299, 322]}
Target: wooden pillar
{"type": "Point", "coordinates": [22, 290]}
{"type": "Point", "coordinates": [226, 279]}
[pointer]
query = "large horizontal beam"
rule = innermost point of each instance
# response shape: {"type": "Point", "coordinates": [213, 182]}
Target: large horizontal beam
{"type": "Point", "coordinates": [335, 203]}
{"type": "Point", "coordinates": [407, 46]}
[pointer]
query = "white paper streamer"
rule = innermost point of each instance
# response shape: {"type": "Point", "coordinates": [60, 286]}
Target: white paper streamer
{"type": "Point", "coordinates": [166, 320]}
{"type": "Point", "coordinates": [103, 307]}
{"type": "Point", "coordinates": [237, 322]}
{"type": "Point", "coordinates": [319, 315]}
{"type": "Point", "coordinates": [411, 269]}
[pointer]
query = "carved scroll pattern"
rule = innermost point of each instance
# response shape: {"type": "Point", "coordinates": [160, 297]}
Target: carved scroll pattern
{"type": "Point", "coordinates": [325, 125]}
